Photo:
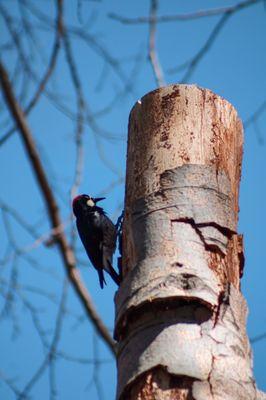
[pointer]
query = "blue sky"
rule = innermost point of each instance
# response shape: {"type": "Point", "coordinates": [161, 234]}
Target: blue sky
{"type": "Point", "coordinates": [234, 68]}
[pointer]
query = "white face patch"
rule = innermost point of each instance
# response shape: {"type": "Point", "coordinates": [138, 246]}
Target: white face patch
{"type": "Point", "coordinates": [90, 203]}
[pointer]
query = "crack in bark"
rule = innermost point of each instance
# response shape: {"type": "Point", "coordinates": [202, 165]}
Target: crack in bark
{"type": "Point", "coordinates": [223, 299]}
{"type": "Point", "coordinates": [209, 377]}
{"type": "Point", "coordinates": [227, 232]}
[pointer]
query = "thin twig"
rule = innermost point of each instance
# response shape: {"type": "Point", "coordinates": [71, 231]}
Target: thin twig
{"type": "Point", "coordinates": [79, 161]}
{"type": "Point", "coordinates": [52, 209]}
{"type": "Point", "coordinates": [258, 338]}
{"type": "Point", "coordinates": [49, 358]}
{"type": "Point", "coordinates": [192, 64]}
{"type": "Point", "coordinates": [153, 56]}
{"type": "Point", "coordinates": [48, 239]}
{"type": "Point", "coordinates": [10, 383]}
{"type": "Point", "coordinates": [17, 217]}
{"type": "Point", "coordinates": [88, 38]}
{"type": "Point", "coordinates": [80, 115]}
{"type": "Point", "coordinates": [183, 17]}
{"type": "Point", "coordinates": [95, 376]}
{"type": "Point", "coordinates": [253, 117]}
{"type": "Point", "coordinates": [49, 70]}
{"type": "Point", "coordinates": [258, 132]}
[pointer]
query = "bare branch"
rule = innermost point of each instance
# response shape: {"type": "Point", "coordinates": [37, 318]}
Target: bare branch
{"type": "Point", "coordinates": [17, 217]}
{"type": "Point", "coordinates": [183, 17]}
{"type": "Point", "coordinates": [56, 338]}
{"type": "Point", "coordinates": [49, 358]}
{"type": "Point", "coordinates": [52, 209]}
{"type": "Point", "coordinates": [258, 133]}
{"type": "Point", "coordinates": [94, 44]}
{"type": "Point", "coordinates": [258, 338]}
{"type": "Point", "coordinates": [9, 382]}
{"type": "Point", "coordinates": [253, 120]}
{"type": "Point", "coordinates": [53, 58]}
{"type": "Point", "coordinates": [153, 56]}
{"type": "Point", "coordinates": [97, 364]}
{"type": "Point", "coordinates": [89, 39]}
{"type": "Point", "coordinates": [253, 117]}
{"type": "Point", "coordinates": [192, 64]}
{"type": "Point", "coordinates": [16, 38]}
{"type": "Point", "coordinates": [80, 114]}
{"type": "Point", "coordinates": [48, 73]}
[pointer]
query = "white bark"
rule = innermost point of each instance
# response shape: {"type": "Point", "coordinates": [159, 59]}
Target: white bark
{"type": "Point", "coordinates": [180, 316]}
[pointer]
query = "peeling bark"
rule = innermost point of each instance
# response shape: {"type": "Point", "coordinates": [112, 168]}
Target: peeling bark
{"type": "Point", "coordinates": [180, 316]}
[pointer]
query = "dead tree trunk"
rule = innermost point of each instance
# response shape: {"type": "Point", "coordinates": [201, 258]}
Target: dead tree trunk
{"type": "Point", "coordinates": [180, 315]}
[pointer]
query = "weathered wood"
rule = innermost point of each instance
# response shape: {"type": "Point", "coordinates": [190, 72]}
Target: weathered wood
{"type": "Point", "coordinates": [180, 316]}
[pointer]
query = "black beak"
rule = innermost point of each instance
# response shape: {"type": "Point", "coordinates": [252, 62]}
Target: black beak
{"type": "Point", "coordinates": [96, 199]}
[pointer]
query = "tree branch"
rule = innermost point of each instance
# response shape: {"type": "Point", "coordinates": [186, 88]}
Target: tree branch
{"type": "Point", "coordinates": [192, 64]}
{"type": "Point", "coordinates": [155, 63]}
{"type": "Point", "coordinates": [47, 73]}
{"type": "Point", "coordinates": [66, 251]}
{"type": "Point", "coordinates": [253, 117]}
{"type": "Point", "coordinates": [183, 17]}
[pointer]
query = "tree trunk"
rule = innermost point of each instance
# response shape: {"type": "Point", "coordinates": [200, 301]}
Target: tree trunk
{"type": "Point", "coordinates": [180, 315]}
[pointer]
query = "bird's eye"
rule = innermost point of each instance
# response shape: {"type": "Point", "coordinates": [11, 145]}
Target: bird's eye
{"type": "Point", "coordinates": [90, 203]}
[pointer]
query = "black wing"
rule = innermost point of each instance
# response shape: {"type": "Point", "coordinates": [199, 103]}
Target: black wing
{"type": "Point", "coordinates": [99, 243]}
{"type": "Point", "coordinates": [92, 240]}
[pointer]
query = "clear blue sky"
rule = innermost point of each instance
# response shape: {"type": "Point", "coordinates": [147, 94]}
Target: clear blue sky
{"type": "Point", "coordinates": [234, 68]}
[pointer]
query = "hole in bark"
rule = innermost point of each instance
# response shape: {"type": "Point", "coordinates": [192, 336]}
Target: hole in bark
{"type": "Point", "coordinates": [157, 382]}
{"type": "Point", "coordinates": [163, 312]}
{"type": "Point", "coordinates": [177, 264]}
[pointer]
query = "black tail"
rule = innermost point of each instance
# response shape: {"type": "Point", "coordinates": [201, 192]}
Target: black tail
{"type": "Point", "coordinates": [101, 277]}
{"type": "Point", "coordinates": [116, 278]}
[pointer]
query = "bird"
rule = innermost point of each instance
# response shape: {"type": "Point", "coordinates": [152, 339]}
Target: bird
{"type": "Point", "coordinates": [98, 235]}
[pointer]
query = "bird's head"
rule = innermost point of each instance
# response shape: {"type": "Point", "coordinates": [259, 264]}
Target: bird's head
{"type": "Point", "coordinates": [84, 202]}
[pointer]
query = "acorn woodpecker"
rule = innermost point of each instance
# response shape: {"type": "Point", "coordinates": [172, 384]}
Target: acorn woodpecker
{"type": "Point", "coordinates": [97, 233]}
